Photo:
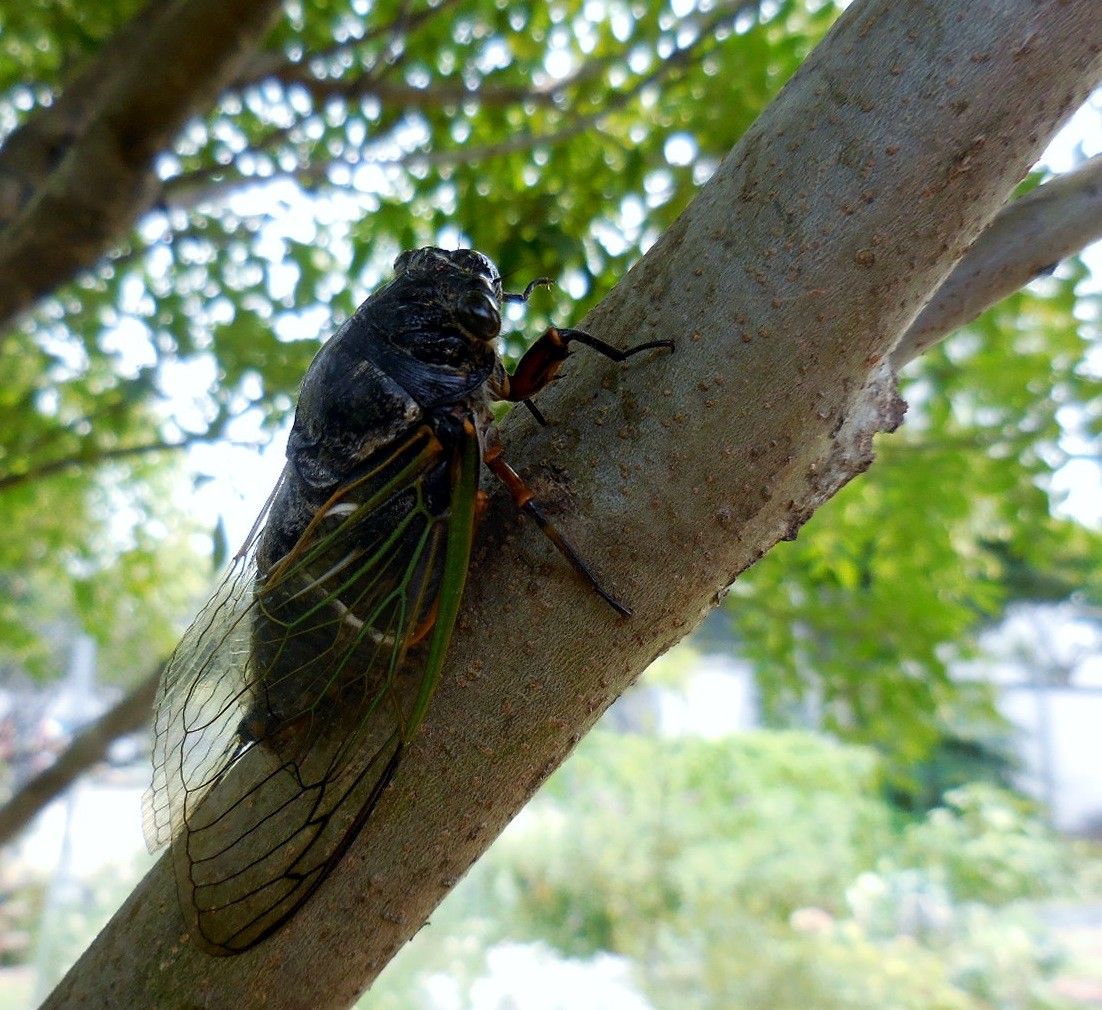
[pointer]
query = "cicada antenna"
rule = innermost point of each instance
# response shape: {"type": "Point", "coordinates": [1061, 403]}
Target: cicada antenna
{"type": "Point", "coordinates": [539, 282]}
{"type": "Point", "coordinates": [512, 296]}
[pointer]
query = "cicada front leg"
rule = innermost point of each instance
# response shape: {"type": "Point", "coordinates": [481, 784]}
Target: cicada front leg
{"type": "Point", "coordinates": [538, 367]}
{"type": "Point", "coordinates": [542, 361]}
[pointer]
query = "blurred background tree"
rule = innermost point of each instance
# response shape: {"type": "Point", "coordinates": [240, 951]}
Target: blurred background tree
{"type": "Point", "coordinates": [561, 139]}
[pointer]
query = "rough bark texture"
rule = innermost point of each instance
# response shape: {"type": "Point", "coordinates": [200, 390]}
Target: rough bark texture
{"type": "Point", "coordinates": [87, 748]}
{"type": "Point", "coordinates": [786, 285]}
{"type": "Point", "coordinates": [76, 179]}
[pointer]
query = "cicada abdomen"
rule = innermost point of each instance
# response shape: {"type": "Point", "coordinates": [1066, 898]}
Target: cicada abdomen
{"type": "Point", "coordinates": [337, 608]}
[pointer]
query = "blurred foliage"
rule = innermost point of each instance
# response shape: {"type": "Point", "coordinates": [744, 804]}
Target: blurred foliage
{"type": "Point", "coordinates": [106, 552]}
{"type": "Point", "coordinates": [764, 871]}
{"type": "Point", "coordinates": [856, 626]}
{"type": "Point", "coordinates": [986, 844]}
{"type": "Point", "coordinates": [48, 923]}
{"type": "Point", "coordinates": [690, 823]}
{"type": "Point", "coordinates": [561, 138]}
{"type": "Point", "coordinates": [985, 753]}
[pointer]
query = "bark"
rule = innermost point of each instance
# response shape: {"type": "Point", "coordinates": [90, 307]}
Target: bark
{"type": "Point", "coordinates": [1028, 238]}
{"type": "Point", "coordinates": [98, 178]}
{"type": "Point", "coordinates": [35, 148]}
{"type": "Point", "coordinates": [786, 285]}
{"type": "Point", "coordinates": [87, 749]}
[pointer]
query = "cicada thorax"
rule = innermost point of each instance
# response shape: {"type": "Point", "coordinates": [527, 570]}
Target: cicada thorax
{"type": "Point", "coordinates": [337, 611]}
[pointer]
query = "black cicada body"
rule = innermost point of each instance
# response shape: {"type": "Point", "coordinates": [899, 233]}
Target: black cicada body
{"type": "Point", "coordinates": [282, 715]}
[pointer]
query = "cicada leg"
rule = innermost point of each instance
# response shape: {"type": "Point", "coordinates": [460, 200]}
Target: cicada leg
{"type": "Point", "coordinates": [542, 361]}
{"type": "Point", "coordinates": [525, 500]}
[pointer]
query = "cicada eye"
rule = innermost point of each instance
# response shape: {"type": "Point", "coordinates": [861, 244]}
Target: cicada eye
{"type": "Point", "coordinates": [477, 315]}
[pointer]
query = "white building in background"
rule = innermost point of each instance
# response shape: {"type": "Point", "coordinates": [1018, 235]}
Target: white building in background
{"type": "Point", "coordinates": [1061, 751]}
{"type": "Point", "coordinates": [1044, 661]}
{"type": "Point", "coordinates": [1046, 664]}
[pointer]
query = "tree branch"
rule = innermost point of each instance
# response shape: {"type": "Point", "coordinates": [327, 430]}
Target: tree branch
{"type": "Point", "coordinates": [192, 188]}
{"type": "Point", "coordinates": [106, 179]}
{"type": "Point", "coordinates": [95, 458]}
{"type": "Point", "coordinates": [277, 66]}
{"type": "Point", "coordinates": [433, 96]}
{"type": "Point", "coordinates": [786, 284]}
{"type": "Point", "coordinates": [86, 749]}
{"type": "Point", "coordinates": [399, 93]}
{"type": "Point", "coordinates": [1027, 239]}
{"type": "Point", "coordinates": [35, 148]}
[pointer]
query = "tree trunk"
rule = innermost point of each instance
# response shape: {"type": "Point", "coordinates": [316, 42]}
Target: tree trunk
{"type": "Point", "coordinates": [786, 285]}
{"type": "Point", "coordinates": [76, 177]}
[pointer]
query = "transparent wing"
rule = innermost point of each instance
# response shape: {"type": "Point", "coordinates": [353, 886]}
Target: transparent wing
{"type": "Point", "coordinates": [285, 709]}
{"type": "Point", "coordinates": [207, 670]}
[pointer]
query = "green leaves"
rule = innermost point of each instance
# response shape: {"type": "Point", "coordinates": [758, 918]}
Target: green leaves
{"type": "Point", "coordinates": [39, 44]}
{"type": "Point", "coordinates": [860, 620]}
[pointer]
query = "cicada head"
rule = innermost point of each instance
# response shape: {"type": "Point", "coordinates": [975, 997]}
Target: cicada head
{"type": "Point", "coordinates": [464, 283]}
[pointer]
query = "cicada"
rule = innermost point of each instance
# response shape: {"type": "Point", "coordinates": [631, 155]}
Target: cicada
{"type": "Point", "coordinates": [285, 710]}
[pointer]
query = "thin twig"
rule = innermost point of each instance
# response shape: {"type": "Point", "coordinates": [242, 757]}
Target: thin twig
{"type": "Point", "coordinates": [100, 456]}
{"type": "Point", "coordinates": [87, 748]}
{"type": "Point", "coordinates": [268, 65]}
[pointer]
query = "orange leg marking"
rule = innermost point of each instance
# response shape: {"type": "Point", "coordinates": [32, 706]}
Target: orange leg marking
{"type": "Point", "coordinates": [425, 626]}
{"type": "Point", "coordinates": [481, 503]}
{"type": "Point", "coordinates": [521, 492]}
